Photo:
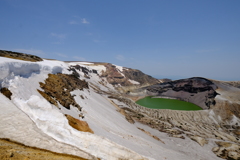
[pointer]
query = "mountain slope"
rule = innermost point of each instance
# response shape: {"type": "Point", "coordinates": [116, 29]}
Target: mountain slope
{"type": "Point", "coordinates": [51, 97]}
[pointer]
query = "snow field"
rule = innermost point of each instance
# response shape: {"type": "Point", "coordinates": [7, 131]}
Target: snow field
{"type": "Point", "coordinates": [39, 123]}
{"type": "Point", "coordinates": [49, 119]}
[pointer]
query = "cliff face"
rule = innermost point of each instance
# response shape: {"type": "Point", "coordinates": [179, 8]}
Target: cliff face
{"type": "Point", "coordinates": [114, 75]}
{"type": "Point", "coordinates": [139, 76]}
{"type": "Point", "coordinates": [126, 76]}
{"type": "Point", "coordinates": [227, 101]}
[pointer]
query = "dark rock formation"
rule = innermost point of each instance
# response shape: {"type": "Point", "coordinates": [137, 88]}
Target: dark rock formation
{"type": "Point", "coordinates": [6, 92]}
{"type": "Point", "coordinates": [85, 70]}
{"type": "Point", "coordinates": [20, 56]}
{"type": "Point", "coordinates": [191, 85]}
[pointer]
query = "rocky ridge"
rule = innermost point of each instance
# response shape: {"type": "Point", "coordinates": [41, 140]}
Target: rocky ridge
{"type": "Point", "coordinates": [20, 56]}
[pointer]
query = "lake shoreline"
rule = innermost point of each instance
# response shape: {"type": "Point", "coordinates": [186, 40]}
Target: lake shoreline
{"type": "Point", "coordinates": [158, 102]}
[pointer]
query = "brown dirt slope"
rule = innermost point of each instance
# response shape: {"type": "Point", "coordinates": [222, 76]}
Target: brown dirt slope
{"type": "Point", "coordinates": [10, 150]}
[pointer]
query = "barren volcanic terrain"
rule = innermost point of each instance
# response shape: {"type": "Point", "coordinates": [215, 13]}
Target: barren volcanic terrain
{"type": "Point", "coordinates": [52, 109]}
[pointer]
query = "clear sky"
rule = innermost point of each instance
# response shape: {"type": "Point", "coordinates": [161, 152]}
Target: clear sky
{"type": "Point", "coordinates": [163, 38]}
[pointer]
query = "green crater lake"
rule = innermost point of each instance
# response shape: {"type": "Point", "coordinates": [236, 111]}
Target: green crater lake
{"type": "Point", "coordinates": [163, 103]}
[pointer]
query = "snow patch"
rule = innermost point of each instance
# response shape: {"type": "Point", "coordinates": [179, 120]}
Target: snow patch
{"type": "Point", "coordinates": [235, 120]}
{"type": "Point", "coordinates": [99, 68]}
{"type": "Point", "coordinates": [17, 126]}
{"type": "Point", "coordinates": [18, 69]}
{"type": "Point", "coordinates": [212, 116]}
{"type": "Point", "coordinates": [79, 63]}
{"type": "Point", "coordinates": [15, 68]}
{"type": "Point", "coordinates": [51, 121]}
{"type": "Point", "coordinates": [120, 68]}
{"type": "Point", "coordinates": [133, 82]}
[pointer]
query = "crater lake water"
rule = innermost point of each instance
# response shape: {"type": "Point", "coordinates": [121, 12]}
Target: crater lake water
{"type": "Point", "coordinates": [163, 103]}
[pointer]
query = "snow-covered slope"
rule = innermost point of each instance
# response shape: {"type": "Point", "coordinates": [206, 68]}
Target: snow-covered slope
{"type": "Point", "coordinates": [48, 118]}
{"type": "Point", "coordinates": [30, 119]}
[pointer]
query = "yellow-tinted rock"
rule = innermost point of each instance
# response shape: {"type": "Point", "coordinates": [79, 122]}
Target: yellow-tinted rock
{"type": "Point", "coordinates": [78, 124]}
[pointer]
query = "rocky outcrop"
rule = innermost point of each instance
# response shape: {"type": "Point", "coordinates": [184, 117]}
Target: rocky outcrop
{"type": "Point", "coordinates": [227, 102]}
{"type": "Point", "coordinates": [226, 150]}
{"type": "Point", "coordinates": [123, 77]}
{"type": "Point", "coordinates": [114, 76]}
{"type": "Point", "coordinates": [6, 92]}
{"type": "Point", "coordinates": [83, 69]}
{"type": "Point", "coordinates": [20, 56]}
{"type": "Point", "coordinates": [139, 76]}
{"type": "Point", "coordinates": [57, 88]}
{"type": "Point", "coordinates": [200, 140]}
{"type": "Point", "coordinates": [227, 109]}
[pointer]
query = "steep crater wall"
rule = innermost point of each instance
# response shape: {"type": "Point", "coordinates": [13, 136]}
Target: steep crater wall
{"type": "Point", "coordinates": [197, 90]}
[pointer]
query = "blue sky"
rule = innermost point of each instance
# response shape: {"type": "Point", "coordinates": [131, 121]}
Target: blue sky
{"type": "Point", "coordinates": [163, 38]}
